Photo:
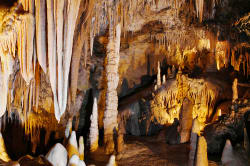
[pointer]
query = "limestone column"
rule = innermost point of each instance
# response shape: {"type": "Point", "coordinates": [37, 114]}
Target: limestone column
{"type": "Point", "coordinates": [235, 90]}
{"type": "Point", "coordinates": [201, 157]}
{"type": "Point", "coordinates": [110, 113]}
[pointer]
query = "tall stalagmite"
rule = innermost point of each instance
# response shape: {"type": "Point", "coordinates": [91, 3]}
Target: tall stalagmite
{"type": "Point", "coordinates": [201, 157]}
{"type": "Point", "coordinates": [94, 132]}
{"type": "Point", "coordinates": [110, 114]}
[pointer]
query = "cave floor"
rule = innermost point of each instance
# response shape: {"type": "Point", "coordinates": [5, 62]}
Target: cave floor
{"type": "Point", "coordinates": [146, 151]}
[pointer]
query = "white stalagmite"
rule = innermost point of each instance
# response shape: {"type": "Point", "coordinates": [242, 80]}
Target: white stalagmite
{"type": "Point", "coordinates": [112, 161]}
{"type": "Point", "coordinates": [158, 75]}
{"type": "Point", "coordinates": [41, 33]}
{"type": "Point", "coordinates": [57, 155]}
{"type": "Point", "coordinates": [110, 113]}
{"type": "Point", "coordinates": [94, 132]}
{"type": "Point", "coordinates": [201, 157]}
{"type": "Point", "coordinates": [75, 161]}
{"type": "Point", "coordinates": [164, 79]}
{"type": "Point", "coordinates": [3, 153]}
{"type": "Point", "coordinates": [72, 12]}
{"type": "Point", "coordinates": [52, 54]}
{"type": "Point", "coordinates": [72, 146]}
{"type": "Point", "coordinates": [81, 148]}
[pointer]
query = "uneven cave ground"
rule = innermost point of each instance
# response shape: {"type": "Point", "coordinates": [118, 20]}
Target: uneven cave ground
{"type": "Point", "coordinates": [149, 82]}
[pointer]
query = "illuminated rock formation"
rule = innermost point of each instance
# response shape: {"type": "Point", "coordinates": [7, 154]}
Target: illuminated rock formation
{"type": "Point", "coordinates": [72, 146]}
{"type": "Point", "coordinates": [75, 161]}
{"type": "Point", "coordinates": [68, 129]}
{"type": "Point", "coordinates": [235, 90]}
{"type": "Point", "coordinates": [158, 75]}
{"type": "Point", "coordinates": [94, 132]}
{"type": "Point", "coordinates": [112, 161]}
{"type": "Point", "coordinates": [58, 155]}
{"type": "Point", "coordinates": [81, 148]}
{"type": "Point", "coordinates": [110, 114]}
{"type": "Point", "coordinates": [201, 156]}
{"type": "Point", "coordinates": [3, 153]}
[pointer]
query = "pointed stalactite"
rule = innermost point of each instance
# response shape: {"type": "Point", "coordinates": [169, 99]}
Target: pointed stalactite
{"type": "Point", "coordinates": [52, 54]}
{"type": "Point", "coordinates": [199, 9]}
{"type": "Point", "coordinates": [110, 114]}
{"type": "Point", "coordinates": [72, 12]}
{"type": "Point", "coordinates": [41, 45]}
{"type": "Point", "coordinates": [59, 46]}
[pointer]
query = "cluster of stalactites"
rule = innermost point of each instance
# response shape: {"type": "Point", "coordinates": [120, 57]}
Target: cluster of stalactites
{"type": "Point", "coordinates": [61, 20]}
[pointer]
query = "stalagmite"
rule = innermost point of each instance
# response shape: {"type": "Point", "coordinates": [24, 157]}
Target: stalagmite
{"type": "Point", "coordinates": [227, 157]}
{"type": "Point", "coordinates": [58, 155]}
{"type": "Point", "coordinates": [110, 114]}
{"type": "Point", "coordinates": [94, 132]}
{"type": "Point", "coordinates": [68, 129]}
{"type": "Point", "coordinates": [158, 75]}
{"type": "Point", "coordinates": [164, 79]}
{"type": "Point", "coordinates": [201, 157]}
{"type": "Point", "coordinates": [75, 161]}
{"type": "Point", "coordinates": [3, 153]}
{"type": "Point", "coordinates": [41, 46]}
{"type": "Point", "coordinates": [235, 90]}
{"type": "Point", "coordinates": [193, 142]}
{"type": "Point", "coordinates": [112, 161]}
{"type": "Point", "coordinates": [81, 148]}
{"type": "Point", "coordinates": [246, 142]}
{"type": "Point", "coordinates": [72, 147]}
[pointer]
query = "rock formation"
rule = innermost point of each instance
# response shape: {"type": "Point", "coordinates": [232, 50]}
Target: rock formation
{"type": "Point", "coordinates": [110, 114]}
{"type": "Point", "coordinates": [75, 161]}
{"type": "Point", "coordinates": [58, 155]}
{"type": "Point", "coordinates": [94, 132]}
{"type": "Point", "coordinates": [112, 161]}
{"type": "Point", "coordinates": [72, 146]}
{"type": "Point", "coordinates": [81, 148]}
{"type": "Point", "coordinates": [3, 153]}
{"type": "Point", "coordinates": [201, 156]}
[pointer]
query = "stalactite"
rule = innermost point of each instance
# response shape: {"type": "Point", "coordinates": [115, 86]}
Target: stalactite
{"type": "Point", "coordinates": [52, 54]}
{"type": "Point", "coordinates": [59, 45]}
{"type": "Point", "coordinates": [110, 114]}
{"type": "Point", "coordinates": [199, 9]}
{"type": "Point", "coordinates": [72, 11]}
{"type": "Point", "coordinates": [94, 132]}
{"type": "Point", "coordinates": [41, 45]}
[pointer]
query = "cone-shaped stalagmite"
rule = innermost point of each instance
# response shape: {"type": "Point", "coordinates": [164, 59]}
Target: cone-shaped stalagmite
{"type": "Point", "coordinates": [201, 156]}
{"type": "Point", "coordinates": [81, 148]}
{"type": "Point", "coordinates": [112, 161]}
{"type": "Point", "coordinates": [72, 146]}
{"type": "Point", "coordinates": [94, 132]}
{"type": "Point", "coordinates": [110, 114]}
{"type": "Point", "coordinates": [75, 161]}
